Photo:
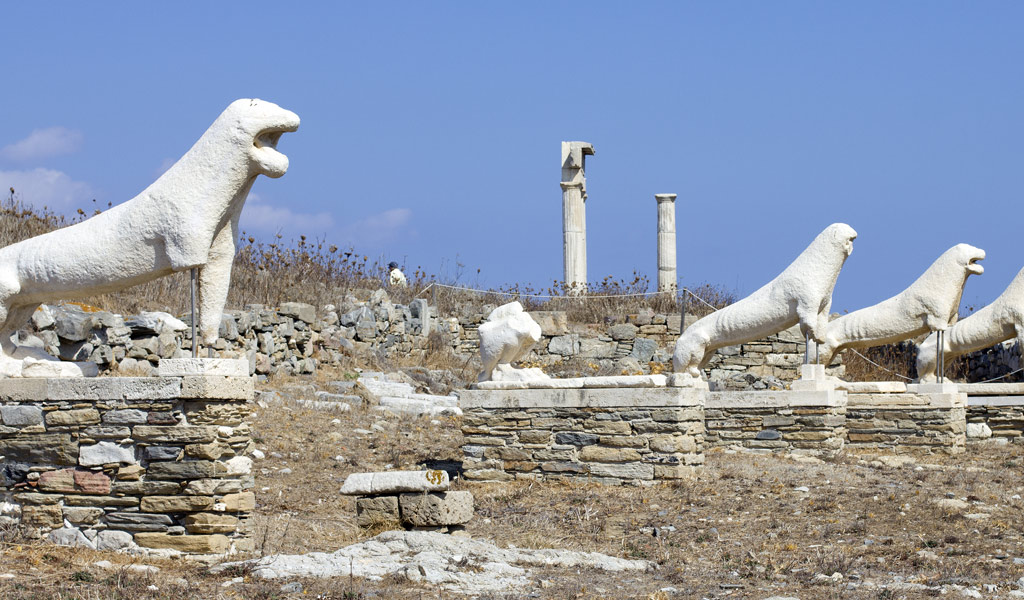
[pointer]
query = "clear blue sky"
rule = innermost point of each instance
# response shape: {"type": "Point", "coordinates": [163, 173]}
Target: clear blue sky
{"type": "Point", "coordinates": [430, 131]}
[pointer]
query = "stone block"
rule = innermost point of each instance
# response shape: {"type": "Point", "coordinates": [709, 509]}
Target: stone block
{"type": "Point", "coordinates": [104, 453]}
{"type": "Point", "coordinates": [240, 502]}
{"type": "Point", "coordinates": [85, 416]}
{"type": "Point", "coordinates": [623, 441]}
{"type": "Point", "coordinates": [622, 331]}
{"type": "Point", "coordinates": [209, 367]}
{"type": "Point", "coordinates": [175, 504]}
{"type": "Point", "coordinates": [552, 323]}
{"type": "Point", "coordinates": [197, 469]}
{"type": "Point", "coordinates": [128, 416]}
{"type": "Point", "coordinates": [21, 416]}
{"type": "Point", "coordinates": [534, 437]}
{"type": "Point", "coordinates": [210, 523]}
{"type": "Point", "coordinates": [112, 540]}
{"type": "Point", "coordinates": [436, 508]}
{"type": "Point", "coordinates": [121, 501]}
{"type": "Point", "coordinates": [217, 388]}
{"type": "Point", "coordinates": [623, 470]}
{"type": "Point", "coordinates": [506, 453]}
{"type": "Point", "coordinates": [603, 454]}
{"type": "Point", "coordinates": [49, 516]}
{"type": "Point", "coordinates": [57, 449]}
{"type": "Point", "coordinates": [191, 544]}
{"type": "Point", "coordinates": [74, 481]}
{"type": "Point", "coordinates": [133, 521]}
{"type": "Point", "coordinates": [177, 434]}
{"type": "Point", "coordinates": [607, 427]}
{"type": "Point", "coordinates": [83, 515]}
{"type": "Point", "coordinates": [573, 438]}
{"type": "Point", "coordinates": [363, 484]}
{"type": "Point", "coordinates": [376, 510]}
{"type": "Point", "coordinates": [151, 388]}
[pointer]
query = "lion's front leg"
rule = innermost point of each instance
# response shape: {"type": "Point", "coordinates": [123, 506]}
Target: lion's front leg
{"type": "Point", "coordinates": [214, 280]}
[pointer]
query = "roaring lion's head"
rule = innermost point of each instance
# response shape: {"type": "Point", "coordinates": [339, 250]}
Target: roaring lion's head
{"type": "Point", "coordinates": [258, 125]}
{"type": "Point", "coordinates": [967, 256]}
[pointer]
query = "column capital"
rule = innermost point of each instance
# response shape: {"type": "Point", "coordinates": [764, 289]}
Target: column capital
{"type": "Point", "coordinates": [568, 185]}
{"type": "Point", "coordinates": [665, 197]}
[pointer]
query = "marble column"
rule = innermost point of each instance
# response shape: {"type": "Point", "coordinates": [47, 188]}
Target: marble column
{"type": "Point", "coordinates": [666, 241]}
{"type": "Point", "coordinates": [574, 215]}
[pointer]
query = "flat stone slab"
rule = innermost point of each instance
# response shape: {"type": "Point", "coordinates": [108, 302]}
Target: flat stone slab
{"type": "Point", "coordinates": [995, 400]}
{"type": "Point", "coordinates": [872, 387]}
{"type": "Point", "coordinates": [992, 389]}
{"type": "Point", "coordinates": [907, 401]}
{"type": "Point", "coordinates": [393, 482]}
{"type": "Point", "coordinates": [185, 367]}
{"type": "Point", "coordinates": [582, 398]}
{"type": "Point", "coordinates": [686, 380]}
{"type": "Point", "coordinates": [775, 399]}
{"type": "Point", "coordinates": [614, 381]}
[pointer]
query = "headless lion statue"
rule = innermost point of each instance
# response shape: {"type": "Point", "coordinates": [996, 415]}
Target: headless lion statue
{"type": "Point", "coordinates": [187, 218]}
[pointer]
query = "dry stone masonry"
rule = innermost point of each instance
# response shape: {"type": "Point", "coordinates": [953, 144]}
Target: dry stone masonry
{"type": "Point", "coordinates": [417, 499]}
{"type": "Point", "coordinates": [611, 434]}
{"type": "Point", "coordinates": [127, 462]}
{"type": "Point", "coordinates": [907, 416]}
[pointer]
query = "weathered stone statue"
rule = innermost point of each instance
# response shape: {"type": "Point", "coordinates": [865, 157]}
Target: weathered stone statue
{"type": "Point", "coordinates": [997, 322]}
{"type": "Point", "coordinates": [187, 218]}
{"type": "Point", "coordinates": [929, 304]}
{"type": "Point", "coordinates": [506, 336]}
{"type": "Point", "coordinates": [800, 294]}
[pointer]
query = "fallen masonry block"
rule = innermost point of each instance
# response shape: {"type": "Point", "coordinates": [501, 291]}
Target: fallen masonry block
{"type": "Point", "coordinates": [394, 482]}
{"type": "Point", "coordinates": [436, 509]}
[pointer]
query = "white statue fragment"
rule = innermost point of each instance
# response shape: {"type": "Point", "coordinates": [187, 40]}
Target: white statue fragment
{"type": "Point", "coordinates": [997, 322]}
{"type": "Point", "coordinates": [187, 218]}
{"type": "Point", "coordinates": [505, 337]}
{"type": "Point", "coordinates": [800, 294]}
{"type": "Point", "coordinates": [929, 304]}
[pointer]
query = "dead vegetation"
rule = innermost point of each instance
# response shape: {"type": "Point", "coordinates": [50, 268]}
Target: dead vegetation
{"type": "Point", "coordinates": [745, 528]}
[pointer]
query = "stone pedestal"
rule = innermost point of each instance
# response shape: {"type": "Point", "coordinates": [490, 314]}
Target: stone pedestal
{"type": "Point", "coordinates": [810, 421]}
{"type": "Point", "coordinates": [126, 462]}
{"type": "Point", "coordinates": [666, 242]}
{"type": "Point", "coordinates": [924, 417]}
{"type": "Point", "coordinates": [609, 435]}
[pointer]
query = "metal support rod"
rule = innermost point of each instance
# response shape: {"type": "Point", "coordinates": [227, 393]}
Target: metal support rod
{"type": "Point", "coordinates": [682, 317]}
{"type": "Point", "coordinates": [940, 357]}
{"type": "Point", "coordinates": [807, 349]}
{"type": "Point", "coordinates": [195, 343]}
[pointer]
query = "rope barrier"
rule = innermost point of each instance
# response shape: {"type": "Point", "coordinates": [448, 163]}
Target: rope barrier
{"type": "Point", "coordinates": [706, 303]}
{"type": "Point", "coordinates": [549, 296]}
{"type": "Point", "coordinates": [879, 366]}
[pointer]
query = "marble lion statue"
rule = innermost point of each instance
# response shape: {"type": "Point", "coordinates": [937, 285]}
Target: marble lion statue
{"type": "Point", "coordinates": [997, 322]}
{"type": "Point", "coordinates": [187, 218]}
{"type": "Point", "coordinates": [929, 304]}
{"type": "Point", "coordinates": [505, 337]}
{"type": "Point", "coordinates": [800, 294]}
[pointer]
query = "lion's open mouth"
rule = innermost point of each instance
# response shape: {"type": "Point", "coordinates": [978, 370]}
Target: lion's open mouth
{"type": "Point", "coordinates": [974, 267]}
{"type": "Point", "coordinates": [268, 138]}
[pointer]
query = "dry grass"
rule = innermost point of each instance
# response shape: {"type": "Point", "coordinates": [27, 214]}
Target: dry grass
{"type": "Point", "coordinates": [740, 524]}
{"type": "Point", "coordinates": [318, 273]}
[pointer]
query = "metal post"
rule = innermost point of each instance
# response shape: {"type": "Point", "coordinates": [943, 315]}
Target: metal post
{"type": "Point", "coordinates": [682, 319]}
{"type": "Point", "coordinates": [195, 343]}
{"type": "Point", "coordinates": [940, 357]}
{"type": "Point", "coordinates": [807, 349]}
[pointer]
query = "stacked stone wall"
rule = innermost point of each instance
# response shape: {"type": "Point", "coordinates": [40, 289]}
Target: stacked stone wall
{"type": "Point", "coordinates": [606, 435]}
{"type": "Point", "coordinates": [777, 421]}
{"type": "Point", "coordinates": [908, 421]}
{"type": "Point", "coordinates": [123, 462]}
{"type": "Point", "coordinates": [1005, 419]}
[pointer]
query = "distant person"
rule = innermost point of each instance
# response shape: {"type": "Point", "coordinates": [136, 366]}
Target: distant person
{"type": "Point", "coordinates": [396, 278]}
